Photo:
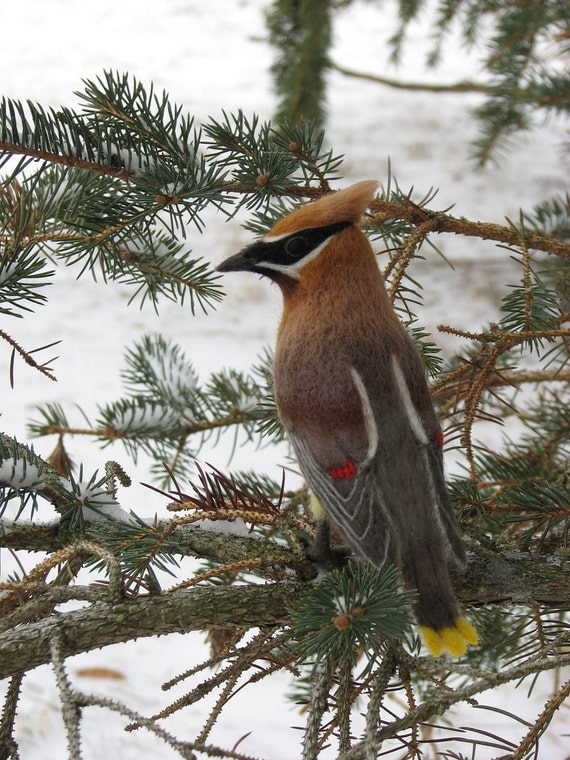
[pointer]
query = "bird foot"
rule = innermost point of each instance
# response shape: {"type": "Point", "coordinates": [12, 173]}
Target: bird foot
{"type": "Point", "coordinates": [325, 561]}
{"type": "Point", "coordinates": [322, 554]}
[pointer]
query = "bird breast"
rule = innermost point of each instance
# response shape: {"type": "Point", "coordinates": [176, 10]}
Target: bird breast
{"type": "Point", "coordinates": [322, 338]}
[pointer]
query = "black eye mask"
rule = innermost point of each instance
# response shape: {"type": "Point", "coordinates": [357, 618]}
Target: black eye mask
{"type": "Point", "coordinates": [291, 249]}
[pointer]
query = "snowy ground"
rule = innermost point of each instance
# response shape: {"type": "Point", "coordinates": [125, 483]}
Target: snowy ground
{"type": "Point", "coordinates": [209, 57]}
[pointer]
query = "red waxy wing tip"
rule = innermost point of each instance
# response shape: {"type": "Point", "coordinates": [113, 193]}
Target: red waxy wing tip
{"type": "Point", "coordinates": [345, 472]}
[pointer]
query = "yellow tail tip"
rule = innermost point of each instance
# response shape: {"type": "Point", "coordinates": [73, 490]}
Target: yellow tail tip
{"type": "Point", "coordinates": [454, 639]}
{"type": "Point", "coordinates": [467, 630]}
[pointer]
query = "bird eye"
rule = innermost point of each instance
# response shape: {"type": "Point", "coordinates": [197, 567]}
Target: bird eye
{"type": "Point", "coordinates": [295, 248]}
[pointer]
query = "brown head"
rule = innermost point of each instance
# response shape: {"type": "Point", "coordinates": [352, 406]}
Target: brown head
{"type": "Point", "coordinates": [295, 241]}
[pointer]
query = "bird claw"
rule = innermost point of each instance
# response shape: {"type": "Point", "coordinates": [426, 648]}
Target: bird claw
{"type": "Point", "coordinates": [327, 560]}
{"type": "Point", "coordinates": [321, 553]}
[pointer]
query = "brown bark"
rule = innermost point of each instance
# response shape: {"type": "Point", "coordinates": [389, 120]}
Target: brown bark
{"type": "Point", "coordinates": [518, 579]}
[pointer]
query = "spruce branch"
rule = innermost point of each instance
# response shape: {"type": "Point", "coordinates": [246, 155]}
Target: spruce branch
{"type": "Point", "coordinates": [110, 433]}
{"type": "Point", "coordinates": [448, 387]}
{"type": "Point", "coordinates": [65, 203]}
{"type": "Point", "coordinates": [180, 611]}
{"type": "Point", "coordinates": [41, 599]}
{"type": "Point", "coordinates": [521, 581]}
{"type": "Point", "coordinates": [23, 278]}
{"type": "Point", "coordinates": [402, 258]}
{"type": "Point", "coordinates": [28, 476]}
{"type": "Point", "coordinates": [441, 700]}
{"type": "Point", "coordinates": [232, 569]}
{"type": "Point", "coordinates": [66, 161]}
{"type": "Point", "coordinates": [457, 87]}
{"type": "Point", "coordinates": [380, 680]}
{"type": "Point", "coordinates": [522, 72]}
{"type": "Point", "coordinates": [8, 744]}
{"type": "Point", "coordinates": [531, 739]}
{"type": "Point", "coordinates": [166, 412]}
{"type": "Point", "coordinates": [53, 157]}
{"type": "Point", "coordinates": [383, 211]}
{"type": "Point", "coordinates": [221, 701]}
{"type": "Point", "coordinates": [301, 35]}
{"type": "Point", "coordinates": [237, 660]}
{"type": "Point", "coordinates": [73, 703]}
{"type": "Point", "coordinates": [44, 368]}
{"type": "Point", "coordinates": [70, 709]}
{"type": "Point", "coordinates": [34, 585]}
{"type": "Point", "coordinates": [317, 707]}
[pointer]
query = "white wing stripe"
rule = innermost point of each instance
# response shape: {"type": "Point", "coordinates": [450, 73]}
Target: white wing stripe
{"type": "Point", "coordinates": [409, 408]}
{"type": "Point", "coordinates": [368, 413]}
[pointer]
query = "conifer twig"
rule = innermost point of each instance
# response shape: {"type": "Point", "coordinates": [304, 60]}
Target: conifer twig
{"type": "Point", "coordinates": [530, 740]}
{"type": "Point", "coordinates": [317, 707]}
{"type": "Point", "coordinates": [439, 701]}
{"type": "Point", "coordinates": [383, 210]}
{"type": "Point", "coordinates": [71, 162]}
{"type": "Point", "coordinates": [455, 87]}
{"type": "Point", "coordinates": [27, 357]}
{"type": "Point", "coordinates": [8, 745]}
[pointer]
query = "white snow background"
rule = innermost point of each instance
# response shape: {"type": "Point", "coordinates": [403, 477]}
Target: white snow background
{"type": "Point", "coordinates": [211, 56]}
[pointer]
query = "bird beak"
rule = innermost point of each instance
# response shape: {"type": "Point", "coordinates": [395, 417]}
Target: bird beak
{"type": "Point", "coordinates": [240, 262]}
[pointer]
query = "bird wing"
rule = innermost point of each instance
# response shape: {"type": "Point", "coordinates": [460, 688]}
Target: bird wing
{"type": "Point", "coordinates": [340, 468]}
{"type": "Point", "coordinates": [382, 483]}
{"type": "Point", "coordinates": [389, 501]}
{"type": "Point", "coordinates": [420, 443]}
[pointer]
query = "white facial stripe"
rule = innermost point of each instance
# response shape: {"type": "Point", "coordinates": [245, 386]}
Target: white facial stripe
{"type": "Point", "coordinates": [275, 238]}
{"type": "Point", "coordinates": [292, 269]}
{"type": "Point", "coordinates": [408, 404]}
{"type": "Point", "coordinates": [369, 419]}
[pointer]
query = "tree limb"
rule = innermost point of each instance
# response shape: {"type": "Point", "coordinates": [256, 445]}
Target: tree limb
{"type": "Point", "coordinates": [507, 235]}
{"type": "Point", "coordinates": [439, 702]}
{"type": "Point", "coordinates": [465, 86]}
{"type": "Point", "coordinates": [184, 541]}
{"type": "Point", "coordinates": [511, 576]}
{"type": "Point", "coordinates": [102, 624]}
{"type": "Point", "coordinates": [520, 579]}
{"type": "Point", "coordinates": [71, 162]}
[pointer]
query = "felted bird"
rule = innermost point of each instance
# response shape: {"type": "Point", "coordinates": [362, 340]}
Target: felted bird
{"type": "Point", "coordinates": [352, 394]}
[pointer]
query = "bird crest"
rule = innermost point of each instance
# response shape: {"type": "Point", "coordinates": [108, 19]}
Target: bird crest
{"type": "Point", "coordinates": [346, 205]}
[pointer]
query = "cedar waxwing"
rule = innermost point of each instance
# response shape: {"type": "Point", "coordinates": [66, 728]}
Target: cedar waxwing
{"type": "Point", "coordinates": [351, 392]}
